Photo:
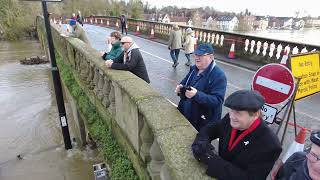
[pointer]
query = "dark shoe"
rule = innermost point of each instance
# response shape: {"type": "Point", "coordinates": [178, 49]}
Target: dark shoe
{"type": "Point", "coordinates": [188, 63]}
{"type": "Point", "coordinates": [175, 64]}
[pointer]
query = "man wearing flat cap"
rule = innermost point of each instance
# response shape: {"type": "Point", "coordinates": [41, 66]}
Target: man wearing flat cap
{"type": "Point", "coordinates": [302, 165]}
{"type": "Point", "coordinates": [203, 89]}
{"type": "Point", "coordinates": [248, 149]}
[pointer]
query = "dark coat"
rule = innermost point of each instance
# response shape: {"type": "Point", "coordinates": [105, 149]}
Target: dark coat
{"type": "Point", "coordinates": [134, 64]}
{"type": "Point", "coordinates": [207, 103]}
{"type": "Point", "coordinates": [251, 161]}
{"type": "Point", "coordinates": [295, 168]}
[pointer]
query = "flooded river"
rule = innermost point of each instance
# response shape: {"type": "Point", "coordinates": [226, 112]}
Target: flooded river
{"type": "Point", "coordinates": [29, 123]}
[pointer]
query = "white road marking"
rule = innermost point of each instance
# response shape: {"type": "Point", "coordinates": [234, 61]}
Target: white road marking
{"type": "Point", "coordinates": [156, 56]}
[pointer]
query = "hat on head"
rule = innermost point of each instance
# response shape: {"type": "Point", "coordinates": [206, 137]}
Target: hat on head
{"type": "Point", "coordinates": [315, 137]}
{"type": "Point", "coordinates": [245, 100]}
{"type": "Point", "coordinates": [72, 22]}
{"type": "Point", "coordinates": [189, 30]}
{"type": "Point", "coordinates": [204, 49]}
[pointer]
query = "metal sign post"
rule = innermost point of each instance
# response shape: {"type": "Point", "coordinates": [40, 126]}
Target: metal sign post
{"type": "Point", "coordinates": [56, 76]}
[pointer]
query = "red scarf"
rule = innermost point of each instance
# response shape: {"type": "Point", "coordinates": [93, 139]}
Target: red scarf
{"type": "Point", "coordinates": [233, 142]}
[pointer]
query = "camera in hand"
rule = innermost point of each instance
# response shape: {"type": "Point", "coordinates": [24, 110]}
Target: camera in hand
{"type": "Point", "coordinates": [183, 90]}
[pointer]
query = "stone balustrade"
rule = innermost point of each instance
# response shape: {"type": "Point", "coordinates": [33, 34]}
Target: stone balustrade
{"type": "Point", "coordinates": [156, 137]}
{"type": "Point", "coordinates": [254, 48]}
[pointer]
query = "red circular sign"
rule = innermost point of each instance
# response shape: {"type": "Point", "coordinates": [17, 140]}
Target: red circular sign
{"type": "Point", "coordinates": [275, 82]}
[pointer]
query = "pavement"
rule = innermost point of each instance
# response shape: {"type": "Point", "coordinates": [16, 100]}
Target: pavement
{"type": "Point", "coordinates": [239, 74]}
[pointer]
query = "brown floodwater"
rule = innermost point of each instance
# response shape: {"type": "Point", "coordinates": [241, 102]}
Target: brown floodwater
{"type": "Point", "coordinates": [29, 123]}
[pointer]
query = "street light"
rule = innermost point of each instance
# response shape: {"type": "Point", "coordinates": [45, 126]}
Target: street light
{"type": "Point", "coordinates": [56, 76]}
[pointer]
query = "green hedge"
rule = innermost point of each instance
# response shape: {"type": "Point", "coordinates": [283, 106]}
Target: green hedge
{"type": "Point", "coordinates": [121, 166]}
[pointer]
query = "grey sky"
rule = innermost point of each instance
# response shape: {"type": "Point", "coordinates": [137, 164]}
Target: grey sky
{"type": "Point", "coordinates": [267, 7]}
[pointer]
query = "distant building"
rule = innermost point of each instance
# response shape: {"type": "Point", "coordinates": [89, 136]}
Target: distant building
{"type": "Point", "coordinates": [260, 23]}
{"type": "Point", "coordinates": [280, 22]}
{"type": "Point", "coordinates": [313, 22]}
{"type": "Point", "coordinates": [227, 23]}
{"type": "Point", "coordinates": [246, 22]}
{"type": "Point", "coordinates": [210, 23]}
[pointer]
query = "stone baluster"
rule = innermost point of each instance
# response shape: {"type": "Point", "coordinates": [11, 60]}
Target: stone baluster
{"type": "Point", "coordinates": [91, 20]}
{"type": "Point", "coordinates": [217, 39]}
{"type": "Point", "coordinates": [85, 68]}
{"type": "Point", "coordinates": [95, 79]}
{"type": "Point", "coordinates": [246, 45]}
{"type": "Point", "coordinates": [272, 48]}
{"type": "Point", "coordinates": [304, 50]}
{"type": "Point", "coordinates": [221, 40]}
{"type": "Point", "coordinates": [212, 38]}
{"type": "Point", "coordinates": [157, 160]}
{"type": "Point", "coordinates": [100, 85]}
{"type": "Point", "coordinates": [91, 75]}
{"type": "Point", "coordinates": [106, 91]}
{"type": "Point", "coordinates": [313, 50]}
{"type": "Point", "coordinates": [165, 173]}
{"type": "Point", "coordinates": [279, 49]}
{"type": "Point", "coordinates": [252, 44]}
{"type": "Point", "coordinates": [287, 50]}
{"type": "Point", "coordinates": [209, 38]}
{"type": "Point", "coordinates": [265, 47]}
{"type": "Point", "coordinates": [101, 21]}
{"type": "Point", "coordinates": [146, 138]}
{"type": "Point", "coordinates": [112, 106]}
{"type": "Point", "coordinates": [96, 21]}
{"type": "Point", "coordinates": [200, 36]}
{"type": "Point", "coordinates": [258, 47]}
{"type": "Point", "coordinates": [204, 37]}
{"type": "Point", "coordinates": [295, 50]}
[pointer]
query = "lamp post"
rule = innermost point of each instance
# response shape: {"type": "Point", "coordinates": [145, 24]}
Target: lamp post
{"type": "Point", "coordinates": [56, 76]}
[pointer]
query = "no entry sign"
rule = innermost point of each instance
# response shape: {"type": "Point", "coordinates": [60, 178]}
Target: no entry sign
{"type": "Point", "coordinates": [275, 82]}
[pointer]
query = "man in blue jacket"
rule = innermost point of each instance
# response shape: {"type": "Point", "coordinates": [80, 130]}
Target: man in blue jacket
{"type": "Point", "coordinates": [202, 91]}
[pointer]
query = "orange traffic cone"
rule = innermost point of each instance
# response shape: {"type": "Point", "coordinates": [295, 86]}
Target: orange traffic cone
{"type": "Point", "coordinates": [231, 52]}
{"type": "Point", "coordinates": [117, 25]}
{"type": "Point", "coordinates": [151, 34]}
{"type": "Point", "coordinates": [195, 40]}
{"type": "Point", "coordinates": [296, 146]}
{"type": "Point", "coordinates": [137, 31]}
{"type": "Point", "coordinates": [126, 29]}
{"type": "Point", "coordinates": [284, 58]}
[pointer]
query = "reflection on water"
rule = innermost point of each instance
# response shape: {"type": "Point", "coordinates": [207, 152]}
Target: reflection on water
{"type": "Point", "coordinates": [305, 36]}
{"type": "Point", "coordinates": [29, 124]}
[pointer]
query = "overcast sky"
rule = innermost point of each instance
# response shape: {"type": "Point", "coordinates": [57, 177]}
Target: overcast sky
{"type": "Point", "coordinates": [258, 7]}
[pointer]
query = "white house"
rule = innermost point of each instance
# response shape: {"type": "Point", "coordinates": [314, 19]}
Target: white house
{"type": "Point", "coordinates": [227, 23]}
{"type": "Point", "coordinates": [288, 22]}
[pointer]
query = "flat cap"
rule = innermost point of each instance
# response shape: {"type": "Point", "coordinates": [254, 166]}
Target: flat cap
{"type": "Point", "coordinates": [245, 100]}
{"type": "Point", "coordinates": [315, 137]}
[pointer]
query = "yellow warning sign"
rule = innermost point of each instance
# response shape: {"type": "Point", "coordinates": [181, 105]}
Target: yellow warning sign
{"type": "Point", "coordinates": [306, 67]}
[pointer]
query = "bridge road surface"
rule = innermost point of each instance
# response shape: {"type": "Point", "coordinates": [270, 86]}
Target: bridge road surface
{"type": "Point", "coordinates": [164, 78]}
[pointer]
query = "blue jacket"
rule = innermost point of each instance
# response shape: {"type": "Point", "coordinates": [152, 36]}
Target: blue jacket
{"type": "Point", "coordinates": [206, 105]}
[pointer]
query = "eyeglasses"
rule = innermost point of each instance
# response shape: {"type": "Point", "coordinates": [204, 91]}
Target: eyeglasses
{"type": "Point", "coordinates": [123, 43]}
{"type": "Point", "coordinates": [313, 157]}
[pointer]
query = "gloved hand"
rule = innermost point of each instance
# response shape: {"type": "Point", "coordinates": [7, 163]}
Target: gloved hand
{"type": "Point", "coordinates": [203, 151]}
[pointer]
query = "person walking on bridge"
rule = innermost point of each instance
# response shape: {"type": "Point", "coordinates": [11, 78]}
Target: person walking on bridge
{"type": "Point", "coordinates": [203, 89]}
{"type": "Point", "coordinates": [248, 149]}
{"type": "Point", "coordinates": [175, 44]}
{"type": "Point", "coordinates": [123, 22]}
{"type": "Point", "coordinates": [188, 45]}
{"type": "Point", "coordinates": [130, 60]}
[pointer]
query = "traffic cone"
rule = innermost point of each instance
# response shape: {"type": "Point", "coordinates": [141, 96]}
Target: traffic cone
{"type": "Point", "coordinates": [137, 31]}
{"type": "Point", "coordinates": [126, 29]}
{"type": "Point", "coordinates": [117, 25]}
{"type": "Point", "coordinates": [296, 146]}
{"type": "Point", "coordinates": [195, 40]}
{"type": "Point", "coordinates": [231, 52]}
{"type": "Point", "coordinates": [151, 34]}
{"type": "Point", "coordinates": [284, 58]}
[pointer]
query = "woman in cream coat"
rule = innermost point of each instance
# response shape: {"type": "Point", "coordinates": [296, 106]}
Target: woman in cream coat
{"type": "Point", "coordinates": [188, 45]}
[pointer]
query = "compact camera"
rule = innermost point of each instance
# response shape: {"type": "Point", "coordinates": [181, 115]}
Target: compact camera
{"type": "Point", "coordinates": [183, 90]}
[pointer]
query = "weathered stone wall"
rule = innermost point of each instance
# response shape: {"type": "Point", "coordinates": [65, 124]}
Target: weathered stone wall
{"type": "Point", "coordinates": [156, 137]}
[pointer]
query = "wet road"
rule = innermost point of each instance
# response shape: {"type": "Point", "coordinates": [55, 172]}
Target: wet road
{"type": "Point", "coordinates": [29, 124]}
{"type": "Point", "coordinates": [164, 78]}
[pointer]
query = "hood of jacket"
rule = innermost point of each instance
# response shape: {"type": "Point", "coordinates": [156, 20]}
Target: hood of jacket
{"type": "Point", "coordinates": [133, 46]}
